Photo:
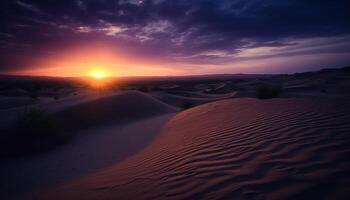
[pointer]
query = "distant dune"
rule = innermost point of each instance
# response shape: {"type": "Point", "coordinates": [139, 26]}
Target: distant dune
{"type": "Point", "coordinates": [235, 149]}
{"type": "Point", "coordinates": [12, 102]}
{"type": "Point", "coordinates": [117, 109]}
{"type": "Point", "coordinates": [178, 99]}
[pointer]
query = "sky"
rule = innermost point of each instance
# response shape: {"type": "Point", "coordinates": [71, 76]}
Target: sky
{"type": "Point", "coordinates": [172, 37]}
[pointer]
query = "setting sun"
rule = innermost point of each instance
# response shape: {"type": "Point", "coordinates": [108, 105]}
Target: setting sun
{"type": "Point", "coordinates": [98, 73]}
{"type": "Point", "coordinates": [99, 78]}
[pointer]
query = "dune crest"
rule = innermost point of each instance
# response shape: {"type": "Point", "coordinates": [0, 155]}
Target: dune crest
{"type": "Point", "coordinates": [119, 108]}
{"type": "Point", "coordinates": [246, 149]}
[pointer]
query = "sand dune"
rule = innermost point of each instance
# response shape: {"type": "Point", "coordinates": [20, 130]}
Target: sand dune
{"type": "Point", "coordinates": [117, 109]}
{"type": "Point", "coordinates": [90, 109]}
{"type": "Point", "coordinates": [246, 149]}
{"type": "Point", "coordinates": [199, 94]}
{"type": "Point", "coordinates": [12, 102]}
{"type": "Point", "coordinates": [179, 98]}
{"type": "Point", "coordinates": [111, 127]}
{"type": "Point", "coordinates": [94, 149]}
{"type": "Point", "coordinates": [14, 106]}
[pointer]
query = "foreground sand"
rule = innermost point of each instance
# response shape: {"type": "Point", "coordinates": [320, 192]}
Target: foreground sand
{"type": "Point", "coordinates": [108, 128]}
{"type": "Point", "coordinates": [235, 149]}
{"type": "Point", "coordinates": [92, 150]}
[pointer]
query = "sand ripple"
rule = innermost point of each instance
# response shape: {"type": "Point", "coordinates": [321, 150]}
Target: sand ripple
{"type": "Point", "coordinates": [236, 149]}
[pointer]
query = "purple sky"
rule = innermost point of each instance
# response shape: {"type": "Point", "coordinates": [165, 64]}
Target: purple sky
{"type": "Point", "coordinates": [174, 37]}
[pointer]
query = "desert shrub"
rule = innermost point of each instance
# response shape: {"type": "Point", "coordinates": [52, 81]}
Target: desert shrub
{"type": "Point", "coordinates": [36, 122]}
{"type": "Point", "coordinates": [266, 91]}
{"type": "Point", "coordinates": [187, 105]}
{"type": "Point", "coordinates": [38, 128]}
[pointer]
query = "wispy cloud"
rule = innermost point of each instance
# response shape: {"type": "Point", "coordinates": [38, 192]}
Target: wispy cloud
{"type": "Point", "coordinates": [112, 30]}
{"type": "Point", "coordinates": [28, 6]}
{"type": "Point", "coordinates": [108, 30]}
{"type": "Point", "coordinates": [81, 4]}
{"type": "Point", "coordinates": [84, 29]}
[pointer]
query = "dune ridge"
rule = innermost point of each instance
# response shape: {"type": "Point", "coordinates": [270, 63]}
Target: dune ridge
{"type": "Point", "coordinates": [246, 149]}
{"type": "Point", "coordinates": [117, 109]}
{"type": "Point", "coordinates": [111, 127]}
{"type": "Point", "coordinates": [179, 98]}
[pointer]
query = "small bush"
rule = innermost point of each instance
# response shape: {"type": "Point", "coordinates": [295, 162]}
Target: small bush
{"type": "Point", "coordinates": [265, 91]}
{"type": "Point", "coordinates": [39, 129]}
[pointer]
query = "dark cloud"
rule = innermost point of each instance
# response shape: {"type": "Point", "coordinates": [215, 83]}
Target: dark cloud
{"type": "Point", "coordinates": [181, 30]}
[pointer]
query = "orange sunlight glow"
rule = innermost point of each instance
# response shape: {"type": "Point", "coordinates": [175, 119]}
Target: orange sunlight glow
{"type": "Point", "coordinates": [98, 73]}
{"type": "Point", "coordinates": [95, 60]}
{"type": "Point", "coordinates": [99, 83]}
{"type": "Point", "coordinates": [99, 78]}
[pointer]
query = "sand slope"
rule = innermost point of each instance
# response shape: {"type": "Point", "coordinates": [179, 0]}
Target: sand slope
{"type": "Point", "coordinates": [179, 98]}
{"type": "Point", "coordinates": [117, 109]}
{"type": "Point", "coordinates": [235, 149]}
{"type": "Point", "coordinates": [94, 149]}
{"type": "Point", "coordinates": [12, 102]}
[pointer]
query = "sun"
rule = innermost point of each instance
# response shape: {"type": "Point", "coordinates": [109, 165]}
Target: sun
{"type": "Point", "coordinates": [98, 73]}
{"type": "Point", "coordinates": [99, 78]}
